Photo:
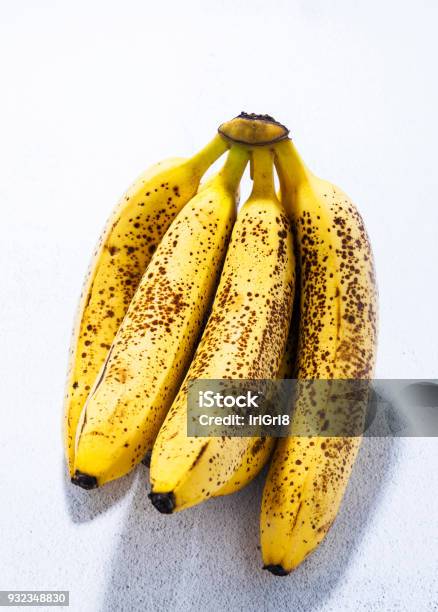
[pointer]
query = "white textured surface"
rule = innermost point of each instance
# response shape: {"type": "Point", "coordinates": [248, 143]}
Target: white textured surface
{"type": "Point", "coordinates": [91, 94]}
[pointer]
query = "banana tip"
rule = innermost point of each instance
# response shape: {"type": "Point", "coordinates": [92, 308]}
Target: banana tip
{"type": "Point", "coordinates": [84, 480]}
{"type": "Point", "coordinates": [163, 502]}
{"type": "Point", "coordinates": [277, 570]}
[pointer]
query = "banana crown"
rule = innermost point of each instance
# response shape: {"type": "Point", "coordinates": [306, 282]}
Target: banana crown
{"type": "Point", "coordinates": [253, 129]}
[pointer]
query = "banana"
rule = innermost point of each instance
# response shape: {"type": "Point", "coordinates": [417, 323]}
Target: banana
{"type": "Point", "coordinates": [124, 250]}
{"type": "Point", "coordinates": [244, 338]}
{"type": "Point", "coordinates": [155, 342]}
{"type": "Point", "coordinates": [336, 340]}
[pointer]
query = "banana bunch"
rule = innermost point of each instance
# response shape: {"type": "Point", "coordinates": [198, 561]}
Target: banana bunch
{"type": "Point", "coordinates": [182, 287]}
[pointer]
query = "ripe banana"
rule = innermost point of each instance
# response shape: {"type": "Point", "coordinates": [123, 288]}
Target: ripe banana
{"type": "Point", "coordinates": [337, 340]}
{"type": "Point", "coordinates": [244, 339]}
{"type": "Point", "coordinates": [124, 250]}
{"type": "Point", "coordinates": [156, 340]}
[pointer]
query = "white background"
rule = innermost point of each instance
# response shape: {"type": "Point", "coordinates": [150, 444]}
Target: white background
{"type": "Point", "coordinates": [91, 94]}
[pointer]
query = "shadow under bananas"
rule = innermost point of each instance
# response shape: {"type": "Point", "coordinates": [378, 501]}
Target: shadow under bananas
{"type": "Point", "coordinates": [83, 506]}
{"type": "Point", "coordinates": [208, 557]}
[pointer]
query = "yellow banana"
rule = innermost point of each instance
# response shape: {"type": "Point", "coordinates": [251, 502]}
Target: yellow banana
{"type": "Point", "coordinates": [124, 250]}
{"type": "Point", "coordinates": [244, 339]}
{"type": "Point", "coordinates": [156, 340]}
{"type": "Point", "coordinates": [336, 340]}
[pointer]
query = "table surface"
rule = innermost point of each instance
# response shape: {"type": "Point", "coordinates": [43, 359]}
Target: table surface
{"type": "Point", "coordinates": [92, 93]}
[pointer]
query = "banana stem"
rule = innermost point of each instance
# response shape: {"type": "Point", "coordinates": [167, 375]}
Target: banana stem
{"type": "Point", "coordinates": [234, 167]}
{"type": "Point", "coordinates": [263, 169]}
{"type": "Point", "coordinates": [208, 155]}
{"type": "Point", "coordinates": [291, 168]}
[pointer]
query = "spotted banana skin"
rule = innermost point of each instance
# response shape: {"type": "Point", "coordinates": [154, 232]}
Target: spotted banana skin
{"type": "Point", "coordinates": [244, 338]}
{"type": "Point", "coordinates": [336, 339]}
{"type": "Point", "coordinates": [155, 343]}
{"type": "Point", "coordinates": [122, 254]}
